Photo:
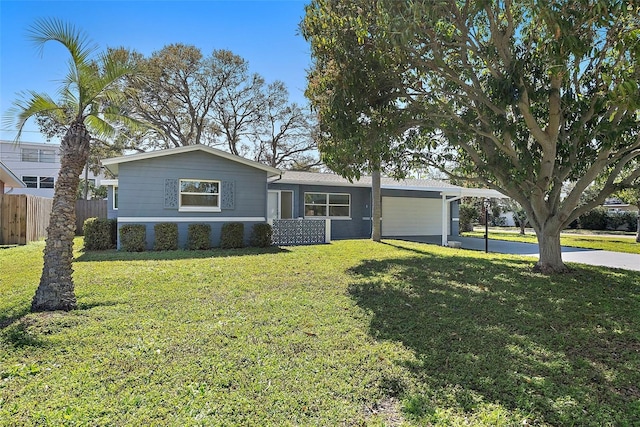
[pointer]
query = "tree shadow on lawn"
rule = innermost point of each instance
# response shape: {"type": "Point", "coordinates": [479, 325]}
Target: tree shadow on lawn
{"type": "Point", "coordinates": [114, 255]}
{"type": "Point", "coordinates": [563, 349]}
{"type": "Point", "coordinates": [26, 329]}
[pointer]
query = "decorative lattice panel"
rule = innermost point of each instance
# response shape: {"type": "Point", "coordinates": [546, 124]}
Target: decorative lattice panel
{"type": "Point", "coordinates": [228, 195]}
{"type": "Point", "coordinates": [171, 193]}
{"type": "Point", "coordinates": [291, 232]}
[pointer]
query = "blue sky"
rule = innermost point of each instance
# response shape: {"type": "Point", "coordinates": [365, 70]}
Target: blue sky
{"type": "Point", "coordinates": [265, 33]}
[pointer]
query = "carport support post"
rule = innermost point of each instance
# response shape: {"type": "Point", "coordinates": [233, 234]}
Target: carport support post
{"type": "Point", "coordinates": [487, 203]}
{"type": "Point", "coordinates": [445, 217]}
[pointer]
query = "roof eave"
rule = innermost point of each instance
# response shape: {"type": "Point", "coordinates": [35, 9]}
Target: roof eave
{"type": "Point", "coordinates": [112, 163]}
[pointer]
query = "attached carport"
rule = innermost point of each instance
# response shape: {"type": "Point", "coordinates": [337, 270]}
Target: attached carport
{"type": "Point", "coordinates": [421, 216]}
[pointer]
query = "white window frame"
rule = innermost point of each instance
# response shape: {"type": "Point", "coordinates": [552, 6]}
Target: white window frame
{"type": "Point", "coordinates": [41, 180]}
{"type": "Point", "coordinates": [327, 205]}
{"type": "Point", "coordinates": [31, 181]}
{"type": "Point", "coordinates": [38, 181]}
{"type": "Point", "coordinates": [199, 208]}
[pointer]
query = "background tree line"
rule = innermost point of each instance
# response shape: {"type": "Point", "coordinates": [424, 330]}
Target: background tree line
{"type": "Point", "coordinates": [186, 98]}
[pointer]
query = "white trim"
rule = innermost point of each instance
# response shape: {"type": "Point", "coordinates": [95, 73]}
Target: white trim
{"type": "Point", "coordinates": [445, 219]}
{"type": "Point", "coordinates": [199, 209]}
{"type": "Point", "coordinates": [108, 182]}
{"type": "Point", "coordinates": [9, 178]}
{"type": "Point", "coordinates": [474, 192]}
{"type": "Point", "coordinates": [191, 219]}
{"type": "Point", "coordinates": [113, 196]}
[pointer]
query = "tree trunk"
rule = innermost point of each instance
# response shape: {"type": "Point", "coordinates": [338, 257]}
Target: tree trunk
{"type": "Point", "coordinates": [550, 261]}
{"type": "Point", "coordinates": [376, 206]}
{"type": "Point", "coordinates": [56, 289]}
{"type": "Point", "coordinates": [638, 231]}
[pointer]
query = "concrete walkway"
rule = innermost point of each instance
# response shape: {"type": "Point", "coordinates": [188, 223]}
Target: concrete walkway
{"type": "Point", "coordinates": [578, 255]}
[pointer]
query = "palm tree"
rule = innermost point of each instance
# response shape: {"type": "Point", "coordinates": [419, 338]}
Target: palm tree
{"type": "Point", "coordinates": [90, 100]}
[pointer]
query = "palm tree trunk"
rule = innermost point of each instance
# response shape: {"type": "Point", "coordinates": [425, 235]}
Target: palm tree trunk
{"type": "Point", "coordinates": [56, 289]}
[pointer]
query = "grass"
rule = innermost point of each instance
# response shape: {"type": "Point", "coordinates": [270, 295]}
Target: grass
{"type": "Point", "coordinates": [616, 243]}
{"type": "Point", "coordinates": [353, 333]}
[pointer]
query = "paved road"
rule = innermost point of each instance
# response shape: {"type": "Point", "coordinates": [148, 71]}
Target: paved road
{"type": "Point", "coordinates": [579, 255]}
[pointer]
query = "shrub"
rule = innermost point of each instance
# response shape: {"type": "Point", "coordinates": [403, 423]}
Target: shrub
{"type": "Point", "coordinates": [133, 237]}
{"type": "Point", "coordinates": [199, 237]}
{"type": "Point", "coordinates": [166, 236]}
{"type": "Point", "coordinates": [232, 235]}
{"type": "Point", "coordinates": [261, 235]}
{"type": "Point", "coordinates": [468, 215]}
{"type": "Point", "coordinates": [631, 219]}
{"type": "Point", "coordinates": [595, 219]}
{"type": "Point", "coordinates": [100, 234]}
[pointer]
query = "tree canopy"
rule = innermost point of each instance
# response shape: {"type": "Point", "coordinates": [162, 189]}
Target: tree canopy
{"type": "Point", "coordinates": [523, 96]}
{"type": "Point", "coordinates": [215, 100]}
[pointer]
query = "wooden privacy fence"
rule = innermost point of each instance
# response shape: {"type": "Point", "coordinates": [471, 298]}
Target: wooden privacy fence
{"type": "Point", "coordinates": [23, 218]}
{"type": "Point", "coordinates": [89, 209]}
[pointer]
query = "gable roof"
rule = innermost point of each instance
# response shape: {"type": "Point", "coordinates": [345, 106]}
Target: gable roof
{"type": "Point", "coordinates": [112, 163]}
{"type": "Point", "coordinates": [444, 188]}
{"type": "Point", "coordinates": [9, 178]}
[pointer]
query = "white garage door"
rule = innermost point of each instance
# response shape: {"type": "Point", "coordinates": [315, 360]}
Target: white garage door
{"type": "Point", "coordinates": [408, 216]}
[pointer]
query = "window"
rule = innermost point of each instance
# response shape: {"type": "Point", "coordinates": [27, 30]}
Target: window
{"type": "Point", "coordinates": [199, 195]}
{"type": "Point", "coordinates": [30, 181]}
{"type": "Point", "coordinates": [115, 197]}
{"type": "Point", "coordinates": [38, 181]}
{"type": "Point", "coordinates": [37, 155]}
{"type": "Point", "coordinates": [333, 205]}
{"type": "Point", "coordinates": [46, 182]}
{"type": "Point", "coordinates": [47, 156]}
{"type": "Point", "coordinates": [29, 155]}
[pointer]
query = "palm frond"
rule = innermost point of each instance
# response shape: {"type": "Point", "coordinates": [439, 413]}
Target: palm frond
{"type": "Point", "coordinates": [77, 43]}
{"type": "Point", "coordinates": [30, 104]}
{"type": "Point", "coordinates": [99, 126]}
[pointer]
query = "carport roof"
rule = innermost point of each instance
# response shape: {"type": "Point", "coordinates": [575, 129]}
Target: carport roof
{"type": "Point", "coordinates": [444, 188]}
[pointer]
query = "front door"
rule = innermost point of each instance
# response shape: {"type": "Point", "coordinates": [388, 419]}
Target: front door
{"type": "Point", "coordinates": [279, 205]}
{"type": "Point", "coordinates": [273, 205]}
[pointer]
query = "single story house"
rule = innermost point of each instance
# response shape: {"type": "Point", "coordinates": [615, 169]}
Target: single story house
{"type": "Point", "coordinates": [200, 184]}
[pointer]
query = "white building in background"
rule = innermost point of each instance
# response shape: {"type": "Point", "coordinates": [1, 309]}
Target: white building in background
{"type": "Point", "coordinates": [37, 165]}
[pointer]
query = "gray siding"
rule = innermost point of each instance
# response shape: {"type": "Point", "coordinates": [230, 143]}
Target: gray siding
{"type": "Point", "coordinates": [359, 226]}
{"type": "Point", "coordinates": [353, 228]}
{"type": "Point", "coordinates": [145, 191]}
{"type": "Point", "coordinates": [141, 184]}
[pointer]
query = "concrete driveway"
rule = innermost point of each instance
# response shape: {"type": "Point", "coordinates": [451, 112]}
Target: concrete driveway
{"type": "Point", "coordinates": [578, 255]}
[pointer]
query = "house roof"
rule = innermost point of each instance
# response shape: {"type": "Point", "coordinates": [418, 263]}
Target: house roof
{"type": "Point", "coordinates": [9, 178]}
{"type": "Point", "coordinates": [112, 163]}
{"type": "Point", "coordinates": [444, 188]}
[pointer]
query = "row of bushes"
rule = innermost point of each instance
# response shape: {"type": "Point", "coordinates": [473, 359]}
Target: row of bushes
{"type": "Point", "coordinates": [101, 234]}
{"type": "Point", "coordinates": [596, 219]}
{"type": "Point", "coordinates": [601, 219]}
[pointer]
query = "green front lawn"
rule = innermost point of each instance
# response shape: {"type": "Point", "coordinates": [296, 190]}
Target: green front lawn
{"type": "Point", "coordinates": [352, 333]}
{"type": "Point", "coordinates": [623, 243]}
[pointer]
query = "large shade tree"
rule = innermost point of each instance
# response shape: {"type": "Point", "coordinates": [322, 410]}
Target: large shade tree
{"type": "Point", "coordinates": [89, 103]}
{"type": "Point", "coordinates": [353, 88]}
{"type": "Point", "coordinates": [192, 98]}
{"type": "Point", "coordinates": [523, 95]}
{"type": "Point", "coordinates": [285, 136]}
